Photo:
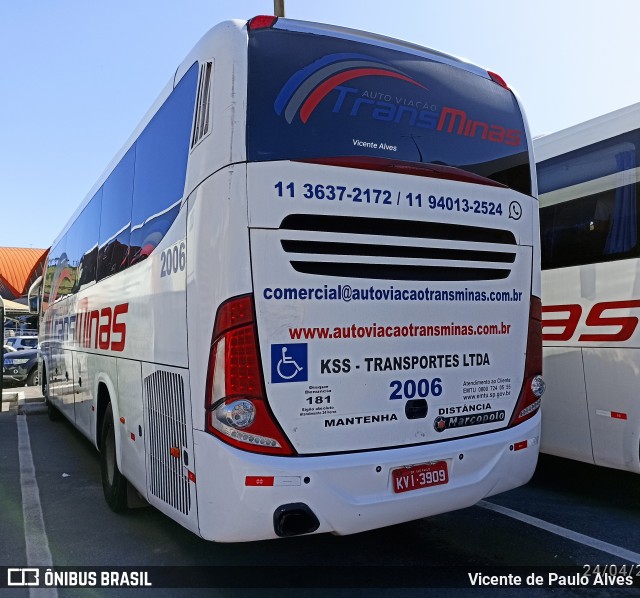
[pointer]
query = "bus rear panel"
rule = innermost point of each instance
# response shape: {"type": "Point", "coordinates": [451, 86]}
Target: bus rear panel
{"type": "Point", "coordinates": [384, 335]}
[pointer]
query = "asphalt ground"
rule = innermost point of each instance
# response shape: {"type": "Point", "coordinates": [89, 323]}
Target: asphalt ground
{"type": "Point", "coordinates": [53, 514]}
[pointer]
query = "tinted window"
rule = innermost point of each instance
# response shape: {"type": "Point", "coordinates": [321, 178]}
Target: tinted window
{"type": "Point", "coordinates": [316, 96]}
{"type": "Point", "coordinates": [161, 157]}
{"type": "Point", "coordinates": [82, 244]}
{"type": "Point", "coordinates": [115, 221]}
{"type": "Point", "coordinates": [602, 224]}
{"type": "Point", "coordinates": [588, 163]}
{"type": "Point", "coordinates": [62, 275]}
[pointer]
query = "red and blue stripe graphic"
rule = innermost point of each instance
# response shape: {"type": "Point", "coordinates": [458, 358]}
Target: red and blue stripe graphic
{"type": "Point", "coordinates": [306, 88]}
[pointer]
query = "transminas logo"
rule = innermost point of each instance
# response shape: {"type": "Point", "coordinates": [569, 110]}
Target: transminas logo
{"type": "Point", "coordinates": [306, 88]}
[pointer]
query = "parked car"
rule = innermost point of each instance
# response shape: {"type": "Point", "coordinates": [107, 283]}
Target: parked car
{"type": "Point", "coordinates": [21, 367]}
{"type": "Point", "coordinates": [22, 342]}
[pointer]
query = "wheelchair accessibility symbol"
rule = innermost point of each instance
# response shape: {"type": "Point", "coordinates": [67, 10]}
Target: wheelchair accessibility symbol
{"type": "Point", "coordinates": [289, 363]}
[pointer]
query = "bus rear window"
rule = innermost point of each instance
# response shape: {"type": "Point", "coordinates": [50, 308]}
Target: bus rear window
{"type": "Point", "coordinates": [312, 96]}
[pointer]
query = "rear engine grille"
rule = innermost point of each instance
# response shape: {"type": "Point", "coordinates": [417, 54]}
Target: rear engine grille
{"type": "Point", "coordinates": [353, 259]}
{"type": "Point", "coordinates": [164, 396]}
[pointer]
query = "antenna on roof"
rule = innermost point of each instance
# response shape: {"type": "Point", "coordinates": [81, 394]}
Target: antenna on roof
{"type": "Point", "coordinates": [278, 8]}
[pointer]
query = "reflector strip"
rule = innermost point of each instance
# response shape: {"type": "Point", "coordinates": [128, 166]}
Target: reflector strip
{"type": "Point", "coordinates": [291, 480]}
{"type": "Point", "coordinates": [133, 437]}
{"type": "Point", "coordinates": [253, 480]}
{"type": "Point", "coordinates": [518, 446]}
{"type": "Point", "coordinates": [191, 476]}
{"type": "Point", "coordinates": [611, 414]}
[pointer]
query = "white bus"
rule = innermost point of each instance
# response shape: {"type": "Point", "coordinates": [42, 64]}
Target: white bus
{"type": "Point", "coordinates": [305, 295]}
{"type": "Point", "coordinates": [587, 179]}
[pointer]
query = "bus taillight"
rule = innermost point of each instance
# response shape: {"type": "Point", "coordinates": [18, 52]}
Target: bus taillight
{"type": "Point", "coordinates": [262, 22]}
{"type": "Point", "coordinates": [236, 408]}
{"type": "Point", "coordinates": [533, 386]}
{"type": "Point", "coordinates": [498, 79]}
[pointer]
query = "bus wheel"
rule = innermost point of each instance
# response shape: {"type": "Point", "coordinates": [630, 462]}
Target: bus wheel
{"type": "Point", "coordinates": [114, 484]}
{"type": "Point", "coordinates": [52, 412]}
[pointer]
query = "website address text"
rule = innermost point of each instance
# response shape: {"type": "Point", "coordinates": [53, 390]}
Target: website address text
{"type": "Point", "coordinates": [410, 330]}
{"type": "Point", "coordinates": [348, 293]}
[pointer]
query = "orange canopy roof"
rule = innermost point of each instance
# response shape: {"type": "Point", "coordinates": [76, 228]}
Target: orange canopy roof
{"type": "Point", "coordinates": [17, 265]}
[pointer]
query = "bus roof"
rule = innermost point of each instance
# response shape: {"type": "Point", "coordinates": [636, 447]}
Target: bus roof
{"type": "Point", "coordinates": [379, 40]}
{"type": "Point", "coordinates": [587, 132]}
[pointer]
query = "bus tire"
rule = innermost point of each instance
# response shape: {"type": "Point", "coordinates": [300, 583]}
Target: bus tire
{"type": "Point", "coordinates": [52, 412]}
{"type": "Point", "coordinates": [114, 484]}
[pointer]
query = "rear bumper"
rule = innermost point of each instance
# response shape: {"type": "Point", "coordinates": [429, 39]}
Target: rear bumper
{"type": "Point", "coordinates": [352, 493]}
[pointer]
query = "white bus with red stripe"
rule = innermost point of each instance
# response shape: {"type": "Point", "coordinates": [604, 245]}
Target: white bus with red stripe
{"type": "Point", "coordinates": [588, 184]}
{"type": "Point", "coordinates": [305, 295]}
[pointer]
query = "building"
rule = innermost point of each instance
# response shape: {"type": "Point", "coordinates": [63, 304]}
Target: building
{"type": "Point", "coordinates": [19, 269]}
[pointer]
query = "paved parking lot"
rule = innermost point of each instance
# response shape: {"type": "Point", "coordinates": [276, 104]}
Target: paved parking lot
{"type": "Point", "coordinates": [570, 515]}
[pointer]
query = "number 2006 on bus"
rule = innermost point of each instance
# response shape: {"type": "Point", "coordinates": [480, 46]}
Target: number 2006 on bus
{"type": "Point", "coordinates": [420, 476]}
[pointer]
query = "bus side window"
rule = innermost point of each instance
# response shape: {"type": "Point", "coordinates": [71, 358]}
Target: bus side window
{"type": "Point", "coordinates": [115, 220]}
{"type": "Point", "coordinates": [162, 151]}
{"type": "Point", "coordinates": [589, 230]}
{"type": "Point", "coordinates": [61, 281]}
{"type": "Point", "coordinates": [82, 244]}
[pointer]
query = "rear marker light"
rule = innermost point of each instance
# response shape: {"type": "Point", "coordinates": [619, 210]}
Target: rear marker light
{"type": "Point", "coordinates": [498, 79]}
{"type": "Point", "coordinates": [254, 480]}
{"type": "Point", "coordinates": [269, 480]}
{"type": "Point", "coordinates": [611, 414]}
{"type": "Point", "coordinates": [518, 446]}
{"type": "Point", "coordinates": [262, 22]}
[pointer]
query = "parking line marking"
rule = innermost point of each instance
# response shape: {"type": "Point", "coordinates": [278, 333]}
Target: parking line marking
{"type": "Point", "coordinates": [35, 536]}
{"type": "Point", "coordinates": [612, 549]}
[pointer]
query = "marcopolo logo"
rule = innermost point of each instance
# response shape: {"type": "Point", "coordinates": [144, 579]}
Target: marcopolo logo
{"type": "Point", "coordinates": [306, 88]}
{"type": "Point", "coordinates": [441, 423]}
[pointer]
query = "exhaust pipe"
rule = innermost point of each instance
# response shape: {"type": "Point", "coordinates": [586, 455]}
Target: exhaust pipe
{"type": "Point", "coordinates": [294, 519]}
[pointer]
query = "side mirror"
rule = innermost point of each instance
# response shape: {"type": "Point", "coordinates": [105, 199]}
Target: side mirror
{"type": "Point", "coordinates": [34, 296]}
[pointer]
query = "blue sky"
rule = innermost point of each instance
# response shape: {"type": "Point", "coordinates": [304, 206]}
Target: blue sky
{"type": "Point", "coordinates": [78, 75]}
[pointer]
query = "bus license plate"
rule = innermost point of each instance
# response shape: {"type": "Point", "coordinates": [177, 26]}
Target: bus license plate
{"type": "Point", "coordinates": [420, 476]}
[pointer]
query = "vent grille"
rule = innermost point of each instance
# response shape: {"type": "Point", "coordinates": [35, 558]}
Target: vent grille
{"type": "Point", "coordinates": [203, 110]}
{"type": "Point", "coordinates": [164, 395]}
{"type": "Point", "coordinates": [379, 256]}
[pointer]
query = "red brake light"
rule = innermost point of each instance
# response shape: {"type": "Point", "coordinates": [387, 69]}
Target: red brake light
{"type": "Point", "coordinates": [533, 385]}
{"type": "Point", "coordinates": [236, 407]}
{"type": "Point", "coordinates": [232, 313]}
{"type": "Point", "coordinates": [262, 22]}
{"type": "Point", "coordinates": [498, 79]}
